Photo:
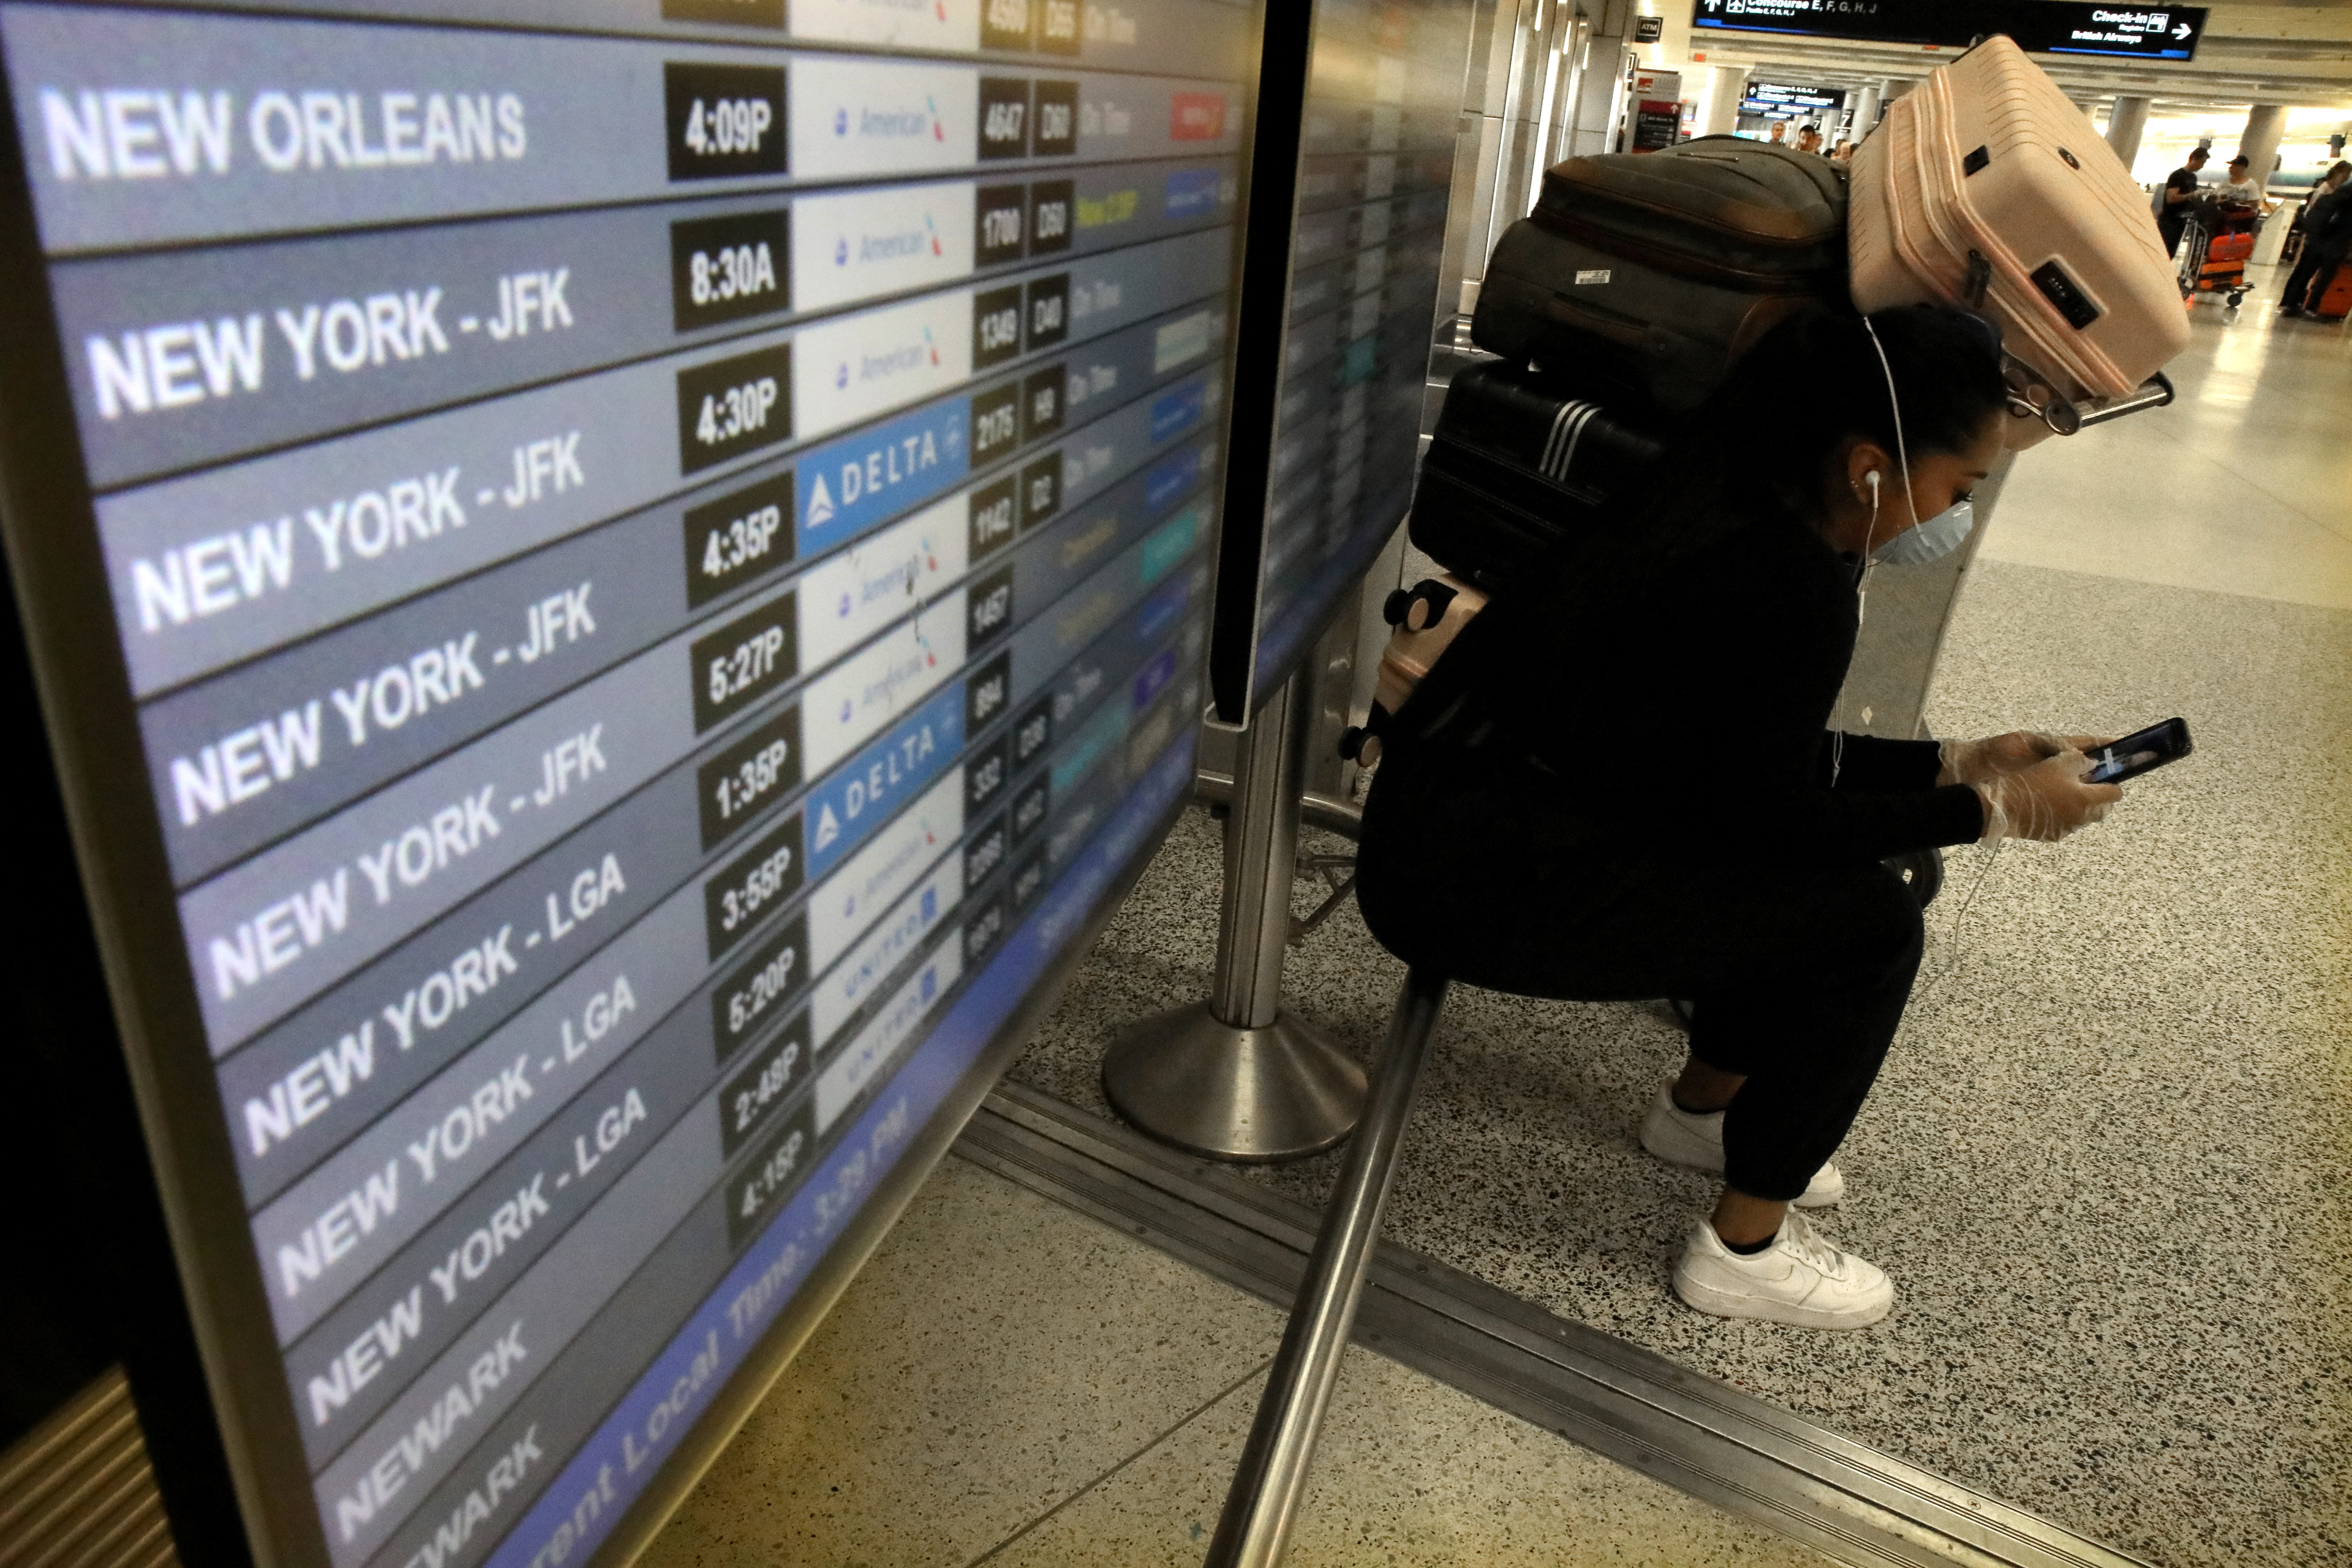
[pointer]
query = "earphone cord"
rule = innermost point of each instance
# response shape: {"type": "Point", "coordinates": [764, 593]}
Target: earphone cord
{"type": "Point", "coordinates": [1952, 961]}
{"type": "Point", "coordinates": [1870, 537]}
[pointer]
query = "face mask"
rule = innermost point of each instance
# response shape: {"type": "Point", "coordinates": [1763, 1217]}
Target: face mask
{"type": "Point", "coordinates": [1931, 540]}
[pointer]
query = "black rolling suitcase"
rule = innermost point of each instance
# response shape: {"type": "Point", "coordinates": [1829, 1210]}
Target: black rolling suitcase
{"type": "Point", "coordinates": [1516, 461]}
{"type": "Point", "coordinates": [1642, 276]}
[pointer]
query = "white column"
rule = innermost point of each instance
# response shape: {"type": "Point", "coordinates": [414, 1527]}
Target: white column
{"type": "Point", "coordinates": [2260, 142]}
{"type": "Point", "coordinates": [1600, 94]}
{"type": "Point", "coordinates": [1727, 85]}
{"type": "Point", "coordinates": [2126, 123]}
{"type": "Point", "coordinates": [1865, 111]}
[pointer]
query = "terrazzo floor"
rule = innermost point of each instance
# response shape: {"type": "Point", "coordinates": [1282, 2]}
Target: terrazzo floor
{"type": "Point", "coordinates": [963, 1405]}
{"type": "Point", "coordinates": [2106, 1162]}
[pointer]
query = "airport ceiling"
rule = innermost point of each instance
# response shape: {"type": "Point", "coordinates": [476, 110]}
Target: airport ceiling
{"type": "Point", "coordinates": [2295, 52]}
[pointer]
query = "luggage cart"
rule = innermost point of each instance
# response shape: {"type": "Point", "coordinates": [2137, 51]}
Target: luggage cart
{"type": "Point", "coordinates": [2215, 247]}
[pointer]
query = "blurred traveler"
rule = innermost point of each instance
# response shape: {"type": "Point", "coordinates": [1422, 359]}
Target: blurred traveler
{"type": "Point", "coordinates": [2242, 186]}
{"type": "Point", "coordinates": [2179, 197]}
{"type": "Point", "coordinates": [2327, 241]}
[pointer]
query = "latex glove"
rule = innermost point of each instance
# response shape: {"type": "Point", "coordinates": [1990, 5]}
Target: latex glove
{"type": "Point", "coordinates": [1975, 762]}
{"type": "Point", "coordinates": [2044, 802]}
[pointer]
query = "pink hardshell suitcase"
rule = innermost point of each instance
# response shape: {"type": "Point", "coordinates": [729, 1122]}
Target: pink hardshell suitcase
{"type": "Point", "coordinates": [1986, 187]}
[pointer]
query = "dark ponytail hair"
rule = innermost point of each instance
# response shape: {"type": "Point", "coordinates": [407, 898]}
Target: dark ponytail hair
{"type": "Point", "coordinates": [1812, 383]}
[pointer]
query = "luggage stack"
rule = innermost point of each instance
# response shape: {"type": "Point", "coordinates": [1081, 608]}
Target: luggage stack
{"type": "Point", "coordinates": [1986, 187]}
{"type": "Point", "coordinates": [1619, 304]}
{"type": "Point", "coordinates": [1643, 275]}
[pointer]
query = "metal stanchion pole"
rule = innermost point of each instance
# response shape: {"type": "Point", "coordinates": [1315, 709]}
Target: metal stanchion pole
{"type": "Point", "coordinates": [1254, 1528]}
{"type": "Point", "coordinates": [1235, 1077]}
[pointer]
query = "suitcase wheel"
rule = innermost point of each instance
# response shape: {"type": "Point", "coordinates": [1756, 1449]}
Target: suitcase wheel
{"type": "Point", "coordinates": [1419, 608]}
{"type": "Point", "coordinates": [1922, 871]}
{"type": "Point", "coordinates": [1361, 743]}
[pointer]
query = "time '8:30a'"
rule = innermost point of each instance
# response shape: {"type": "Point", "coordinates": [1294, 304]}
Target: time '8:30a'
{"type": "Point", "coordinates": [731, 273]}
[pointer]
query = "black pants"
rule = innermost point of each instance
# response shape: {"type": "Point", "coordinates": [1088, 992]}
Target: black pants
{"type": "Point", "coordinates": [1799, 977]}
{"type": "Point", "coordinates": [2316, 263]}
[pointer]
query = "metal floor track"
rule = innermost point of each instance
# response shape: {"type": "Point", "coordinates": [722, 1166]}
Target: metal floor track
{"type": "Point", "coordinates": [1843, 1498]}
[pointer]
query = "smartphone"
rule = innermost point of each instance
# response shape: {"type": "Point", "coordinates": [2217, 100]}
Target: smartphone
{"type": "Point", "coordinates": [2136, 755]}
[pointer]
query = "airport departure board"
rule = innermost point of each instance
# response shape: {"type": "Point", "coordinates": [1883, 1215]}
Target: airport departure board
{"type": "Point", "coordinates": [1384, 88]}
{"type": "Point", "coordinates": [659, 552]}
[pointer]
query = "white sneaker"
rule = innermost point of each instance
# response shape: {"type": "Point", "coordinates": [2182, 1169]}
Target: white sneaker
{"type": "Point", "coordinates": [1683, 1137]}
{"type": "Point", "coordinates": [1800, 1280]}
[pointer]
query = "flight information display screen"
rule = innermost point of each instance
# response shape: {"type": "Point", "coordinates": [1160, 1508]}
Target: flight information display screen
{"type": "Point", "coordinates": [660, 551]}
{"type": "Point", "coordinates": [1375, 173]}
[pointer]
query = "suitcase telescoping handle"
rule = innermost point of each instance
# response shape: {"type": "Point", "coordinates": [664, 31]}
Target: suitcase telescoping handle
{"type": "Point", "coordinates": [2153, 393]}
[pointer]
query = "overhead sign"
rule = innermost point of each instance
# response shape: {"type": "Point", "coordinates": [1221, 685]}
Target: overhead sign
{"type": "Point", "coordinates": [1782, 101]}
{"type": "Point", "coordinates": [2161, 33]}
{"type": "Point", "coordinates": [1655, 110]}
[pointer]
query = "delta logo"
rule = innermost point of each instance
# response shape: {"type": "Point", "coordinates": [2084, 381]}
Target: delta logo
{"type": "Point", "coordinates": [911, 451]}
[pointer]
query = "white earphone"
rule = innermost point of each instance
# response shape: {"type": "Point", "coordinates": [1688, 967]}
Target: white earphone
{"type": "Point", "coordinates": [1862, 575]}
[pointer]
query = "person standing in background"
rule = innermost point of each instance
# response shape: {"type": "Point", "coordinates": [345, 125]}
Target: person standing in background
{"type": "Point", "coordinates": [1779, 133]}
{"type": "Point", "coordinates": [1808, 140]}
{"type": "Point", "coordinates": [2326, 240]}
{"type": "Point", "coordinates": [2179, 190]}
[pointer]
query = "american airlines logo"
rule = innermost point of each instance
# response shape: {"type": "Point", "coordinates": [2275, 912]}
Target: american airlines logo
{"type": "Point", "coordinates": [892, 124]}
{"type": "Point", "coordinates": [872, 366]}
{"type": "Point", "coordinates": [918, 24]}
{"type": "Point", "coordinates": [853, 367]}
{"type": "Point", "coordinates": [869, 117]}
{"type": "Point", "coordinates": [873, 247]}
{"type": "Point", "coordinates": [863, 243]}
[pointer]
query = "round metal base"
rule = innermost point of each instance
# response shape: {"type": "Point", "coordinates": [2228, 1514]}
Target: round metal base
{"type": "Point", "coordinates": [1250, 1096]}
